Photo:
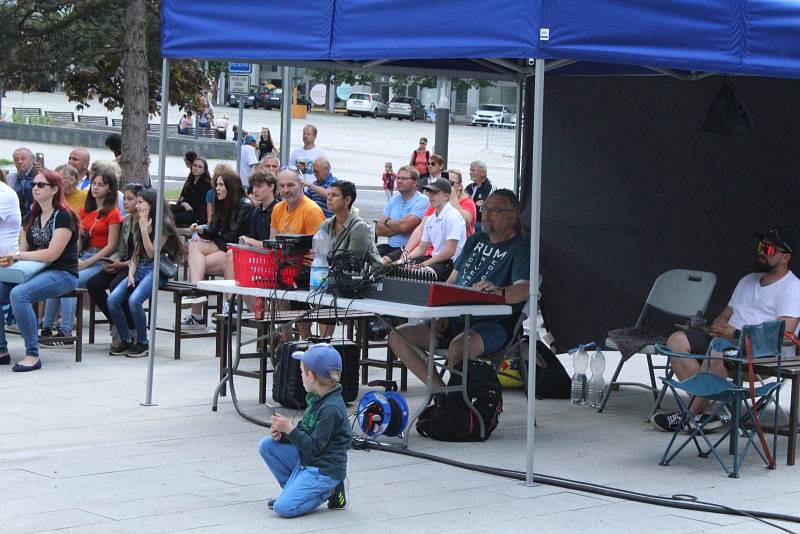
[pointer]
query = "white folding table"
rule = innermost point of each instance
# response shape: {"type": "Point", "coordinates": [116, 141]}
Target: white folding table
{"type": "Point", "coordinates": [381, 309]}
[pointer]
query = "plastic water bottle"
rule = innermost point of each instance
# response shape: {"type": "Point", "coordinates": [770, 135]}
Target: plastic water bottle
{"type": "Point", "coordinates": [597, 384]}
{"type": "Point", "coordinates": [580, 361]}
{"type": "Point", "coordinates": [319, 267]}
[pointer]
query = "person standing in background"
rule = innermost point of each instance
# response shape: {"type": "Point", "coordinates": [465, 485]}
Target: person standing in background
{"type": "Point", "coordinates": [388, 179]}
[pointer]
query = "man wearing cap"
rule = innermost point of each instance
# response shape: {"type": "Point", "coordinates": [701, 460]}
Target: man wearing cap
{"type": "Point", "coordinates": [770, 293]}
{"type": "Point", "coordinates": [247, 160]}
{"type": "Point", "coordinates": [445, 230]}
{"type": "Point", "coordinates": [309, 461]}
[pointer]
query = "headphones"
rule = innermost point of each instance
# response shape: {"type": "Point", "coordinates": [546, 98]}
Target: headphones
{"type": "Point", "coordinates": [383, 413]}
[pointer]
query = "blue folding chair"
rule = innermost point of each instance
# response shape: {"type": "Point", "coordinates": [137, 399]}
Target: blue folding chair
{"type": "Point", "coordinates": [756, 341]}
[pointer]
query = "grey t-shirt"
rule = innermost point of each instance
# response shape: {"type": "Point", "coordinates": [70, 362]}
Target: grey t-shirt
{"type": "Point", "coordinates": [500, 263]}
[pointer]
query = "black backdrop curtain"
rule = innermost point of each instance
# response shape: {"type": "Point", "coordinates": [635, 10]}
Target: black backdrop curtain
{"type": "Point", "coordinates": [633, 187]}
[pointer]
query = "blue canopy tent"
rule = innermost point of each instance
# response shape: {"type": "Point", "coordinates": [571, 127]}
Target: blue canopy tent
{"type": "Point", "coordinates": [495, 39]}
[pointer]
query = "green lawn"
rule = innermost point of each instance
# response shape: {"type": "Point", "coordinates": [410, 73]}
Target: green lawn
{"type": "Point", "coordinates": [6, 162]}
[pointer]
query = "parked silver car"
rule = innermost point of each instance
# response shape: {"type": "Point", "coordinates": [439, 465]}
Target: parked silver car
{"type": "Point", "coordinates": [366, 104]}
{"type": "Point", "coordinates": [405, 107]}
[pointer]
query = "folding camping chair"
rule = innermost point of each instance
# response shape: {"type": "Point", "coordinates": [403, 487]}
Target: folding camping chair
{"type": "Point", "coordinates": [680, 293]}
{"type": "Point", "coordinates": [756, 341]}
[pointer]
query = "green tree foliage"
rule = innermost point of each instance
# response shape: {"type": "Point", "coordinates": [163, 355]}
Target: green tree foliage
{"type": "Point", "coordinates": [80, 43]}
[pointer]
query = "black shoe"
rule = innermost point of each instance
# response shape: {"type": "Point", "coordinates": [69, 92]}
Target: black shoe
{"type": "Point", "coordinates": [338, 501]}
{"type": "Point", "coordinates": [667, 422]}
{"type": "Point", "coordinates": [44, 336]}
{"type": "Point", "coordinates": [139, 350]}
{"type": "Point", "coordinates": [121, 349]}
{"type": "Point", "coordinates": [19, 368]}
{"type": "Point", "coordinates": [271, 503]}
{"type": "Point", "coordinates": [5, 360]}
{"type": "Point", "coordinates": [57, 340]}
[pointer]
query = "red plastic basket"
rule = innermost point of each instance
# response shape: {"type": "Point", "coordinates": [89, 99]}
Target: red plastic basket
{"type": "Point", "coordinates": [258, 267]}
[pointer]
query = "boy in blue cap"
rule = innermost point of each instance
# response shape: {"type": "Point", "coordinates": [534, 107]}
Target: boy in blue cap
{"type": "Point", "coordinates": [310, 461]}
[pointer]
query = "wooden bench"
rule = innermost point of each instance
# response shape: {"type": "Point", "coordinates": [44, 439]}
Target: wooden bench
{"type": "Point", "coordinates": [179, 291]}
{"type": "Point", "coordinates": [93, 119]}
{"type": "Point", "coordinates": [27, 112]}
{"type": "Point", "coordinates": [357, 330]}
{"type": "Point", "coordinates": [790, 370]}
{"type": "Point", "coordinates": [60, 116]}
{"type": "Point", "coordinates": [172, 129]}
{"type": "Point", "coordinates": [203, 132]}
{"type": "Point", "coordinates": [77, 338]}
{"type": "Point", "coordinates": [116, 123]}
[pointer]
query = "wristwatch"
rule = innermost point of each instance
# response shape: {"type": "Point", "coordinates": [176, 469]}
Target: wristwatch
{"type": "Point", "coordinates": [16, 256]}
{"type": "Point", "coordinates": [737, 333]}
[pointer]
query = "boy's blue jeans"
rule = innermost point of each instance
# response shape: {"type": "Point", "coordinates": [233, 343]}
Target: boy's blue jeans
{"type": "Point", "coordinates": [304, 488]}
{"type": "Point", "coordinates": [21, 296]}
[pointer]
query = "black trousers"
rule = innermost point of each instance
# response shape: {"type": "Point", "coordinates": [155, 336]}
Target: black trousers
{"type": "Point", "coordinates": [102, 282]}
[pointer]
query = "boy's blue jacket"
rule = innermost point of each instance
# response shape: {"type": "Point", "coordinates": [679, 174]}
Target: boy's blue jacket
{"type": "Point", "coordinates": [323, 435]}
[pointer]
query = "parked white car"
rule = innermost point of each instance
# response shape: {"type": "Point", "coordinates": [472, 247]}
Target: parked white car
{"type": "Point", "coordinates": [491, 114]}
{"type": "Point", "coordinates": [366, 104]}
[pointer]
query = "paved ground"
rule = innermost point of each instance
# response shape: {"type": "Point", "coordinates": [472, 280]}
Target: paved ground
{"type": "Point", "coordinates": [78, 453]}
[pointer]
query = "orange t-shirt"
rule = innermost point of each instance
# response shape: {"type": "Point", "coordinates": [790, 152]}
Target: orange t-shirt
{"type": "Point", "coordinates": [305, 219]}
{"type": "Point", "coordinates": [97, 225]}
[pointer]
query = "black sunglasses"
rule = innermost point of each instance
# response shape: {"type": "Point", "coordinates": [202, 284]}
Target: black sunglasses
{"type": "Point", "coordinates": [40, 185]}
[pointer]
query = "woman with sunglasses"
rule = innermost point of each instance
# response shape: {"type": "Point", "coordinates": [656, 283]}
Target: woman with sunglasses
{"type": "Point", "coordinates": [50, 235]}
{"type": "Point", "coordinates": [100, 221]}
{"type": "Point", "coordinates": [420, 158]}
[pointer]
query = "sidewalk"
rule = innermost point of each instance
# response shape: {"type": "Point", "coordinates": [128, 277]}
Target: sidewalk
{"type": "Point", "coordinates": [79, 454]}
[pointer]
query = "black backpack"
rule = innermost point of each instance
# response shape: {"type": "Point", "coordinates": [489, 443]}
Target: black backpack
{"type": "Point", "coordinates": [452, 420]}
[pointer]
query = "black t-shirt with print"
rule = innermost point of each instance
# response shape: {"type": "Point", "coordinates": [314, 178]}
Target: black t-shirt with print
{"type": "Point", "coordinates": [39, 238]}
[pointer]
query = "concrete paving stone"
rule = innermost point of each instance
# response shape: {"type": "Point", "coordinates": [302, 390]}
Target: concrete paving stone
{"type": "Point", "coordinates": [54, 520]}
{"type": "Point", "coordinates": [128, 509]}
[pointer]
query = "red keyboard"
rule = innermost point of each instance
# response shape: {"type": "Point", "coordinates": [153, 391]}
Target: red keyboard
{"type": "Point", "coordinates": [429, 293]}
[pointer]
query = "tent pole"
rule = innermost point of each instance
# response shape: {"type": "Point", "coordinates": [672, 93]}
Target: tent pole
{"type": "Point", "coordinates": [158, 221]}
{"type": "Point", "coordinates": [240, 138]}
{"type": "Point", "coordinates": [536, 206]}
{"type": "Point", "coordinates": [286, 116]}
{"type": "Point", "coordinates": [518, 134]}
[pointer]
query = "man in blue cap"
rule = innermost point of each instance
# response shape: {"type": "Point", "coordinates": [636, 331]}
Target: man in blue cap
{"type": "Point", "coordinates": [247, 160]}
{"type": "Point", "coordinates": [309, 461]}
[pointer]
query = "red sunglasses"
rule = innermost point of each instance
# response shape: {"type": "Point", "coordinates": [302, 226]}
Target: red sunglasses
{"type": "Point", "coordinates": [768, 249]}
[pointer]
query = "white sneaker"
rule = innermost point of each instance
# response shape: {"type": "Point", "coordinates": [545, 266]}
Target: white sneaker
{"type": "Point", "coordinates": [193, 323]}
{"type": "Point", "coordinates": [188, 302]}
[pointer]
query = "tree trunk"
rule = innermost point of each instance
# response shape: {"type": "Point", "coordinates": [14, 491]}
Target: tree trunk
{"type": "Point", "coordinates": [135, 158]}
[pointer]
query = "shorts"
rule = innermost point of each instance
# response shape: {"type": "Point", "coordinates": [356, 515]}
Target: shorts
{"type": "Point", "coordinates": [698, 344]}
{"type": "Point", "coordinates": [492, 333]}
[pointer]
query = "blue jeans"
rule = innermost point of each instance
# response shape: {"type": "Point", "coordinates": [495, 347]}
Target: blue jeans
{"type": "Point", "coordinates": [68, 305]}
{"type": "Point", "coordinates": [135, 298]}
{"type": "Point", "coordinates": [304, 488]}
{"type": "Point", "coordinates": [22, 296]}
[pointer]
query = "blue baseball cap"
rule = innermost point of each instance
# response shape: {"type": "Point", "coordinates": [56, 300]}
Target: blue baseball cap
{"type": "Point", "coordinates": [320, 358]}
{"type": "Point", "coordinates": [250, 139]}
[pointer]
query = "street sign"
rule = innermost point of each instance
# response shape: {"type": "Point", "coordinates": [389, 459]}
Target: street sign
{"type": "Point", "coordinates": [240, 68]}
{"type": "Point", "coordinates": [318, 93]}
{"type": "Point", "coordinates": [344, 90]}
{"type": "Point", "coordinates": [239, 84]}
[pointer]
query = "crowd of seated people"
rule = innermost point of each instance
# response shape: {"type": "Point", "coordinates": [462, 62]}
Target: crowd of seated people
{"type": "Point", "coordinates": [426, 225]}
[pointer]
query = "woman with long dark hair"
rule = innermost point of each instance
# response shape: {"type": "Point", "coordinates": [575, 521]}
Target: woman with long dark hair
{"type": "Point", "coordinates": [137, 288]}
{"type": "Point", "coordinates": [116, 270]}
{"type": "Point", "coordinates": [265, 144]}
{"type": "Point", "coordinates": [101, 221]}
{"type": "Point", "coordinates": [191, 205]}
{"type": "Point", "coordinates": [230, 221]}
{"type": "Point", "coordinates": [50, 235]}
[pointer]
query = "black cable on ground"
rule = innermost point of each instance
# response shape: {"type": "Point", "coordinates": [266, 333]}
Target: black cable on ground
{"type": "Point", "coordinates": [681, 501]}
